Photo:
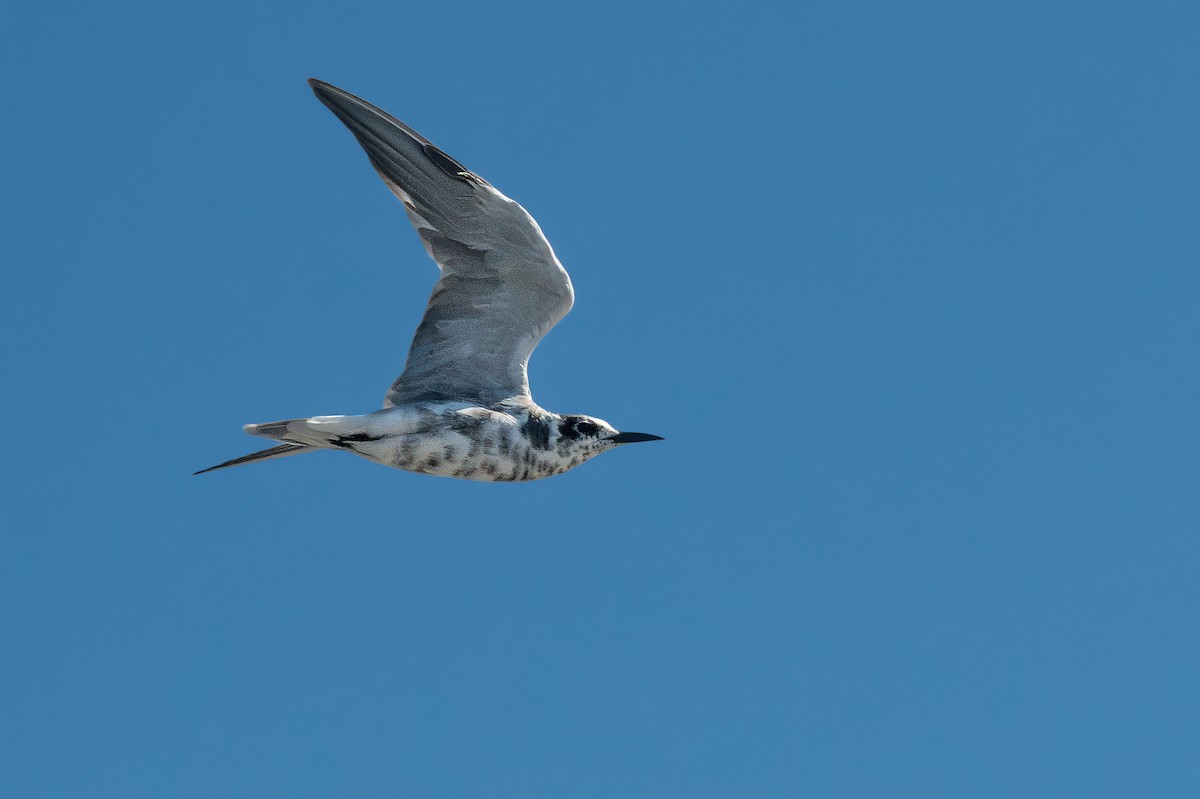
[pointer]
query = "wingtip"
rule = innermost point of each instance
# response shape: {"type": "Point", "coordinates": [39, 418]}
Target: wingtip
{"type": "Point", "coordinates": [325, 90]}
{"type": "Point", "coordinates": [320, 88]}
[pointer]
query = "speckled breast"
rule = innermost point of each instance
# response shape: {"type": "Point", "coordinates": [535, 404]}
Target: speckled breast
{"type": "Point", "coordinates": [490, 452]}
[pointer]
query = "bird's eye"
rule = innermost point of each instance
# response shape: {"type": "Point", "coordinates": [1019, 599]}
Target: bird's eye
{"type": "Point", "coordinates": [587, 428]}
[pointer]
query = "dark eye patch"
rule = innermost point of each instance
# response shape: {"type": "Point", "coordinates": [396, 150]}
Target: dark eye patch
{"type": "Point", "coordinates": [574, 428]}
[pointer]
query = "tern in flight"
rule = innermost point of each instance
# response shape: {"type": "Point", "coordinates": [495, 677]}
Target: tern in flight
{"type": "Point", "coordinates": [462, 406]}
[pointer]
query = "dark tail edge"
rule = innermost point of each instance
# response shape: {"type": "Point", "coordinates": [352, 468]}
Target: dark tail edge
{"type": "Point", "coordinates": [274, 452]}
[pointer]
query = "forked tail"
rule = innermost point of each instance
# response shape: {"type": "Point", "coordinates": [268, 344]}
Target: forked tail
{"type": "Point", "coordinates": [274, 452]}
{"type": "Point", "coordinates": [299, 435]}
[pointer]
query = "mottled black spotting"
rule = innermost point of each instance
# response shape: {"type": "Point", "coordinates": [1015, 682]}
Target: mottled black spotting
{"type": "Point", "coordinates": [567, 429]}
{"type": "Point", "coordinates": [448, 452]}
{"type": "Point", "coordinates": [489, 467]}
{"type": "Point", "coordinates": [505, 444]}
{"type": "Point", "coordinates": [537, 430]}
{"type": "Point", "coordinates": [432, 462]}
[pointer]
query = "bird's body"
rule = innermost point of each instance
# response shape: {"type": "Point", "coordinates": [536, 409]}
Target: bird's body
{"type": "Point", "coordinates": [462, 407]}
{"type": "Point", "coordinates": [452, 439]}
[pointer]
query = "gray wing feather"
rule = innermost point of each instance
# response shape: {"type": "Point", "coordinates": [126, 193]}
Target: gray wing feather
{"type": "Point", "coordinates": [501, 288]}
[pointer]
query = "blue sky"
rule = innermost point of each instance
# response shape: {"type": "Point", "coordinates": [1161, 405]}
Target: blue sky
{"type": "Point", "coordinates": [910, 289]}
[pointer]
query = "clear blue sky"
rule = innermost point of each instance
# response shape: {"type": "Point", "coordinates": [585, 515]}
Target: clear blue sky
{"type": "Point", "coordinates": [911, 290]}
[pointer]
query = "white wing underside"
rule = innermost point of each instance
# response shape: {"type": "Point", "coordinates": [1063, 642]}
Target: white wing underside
{"type": "Point", "coordinates": [501, 287]}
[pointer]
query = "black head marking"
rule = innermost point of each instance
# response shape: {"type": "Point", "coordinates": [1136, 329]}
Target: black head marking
{"type": "Point", "coordinates": [569, 428]}
{"type": "Point", "coordinates": [574, 427]}
{"type": "Point", "coordinates": [537, 430]}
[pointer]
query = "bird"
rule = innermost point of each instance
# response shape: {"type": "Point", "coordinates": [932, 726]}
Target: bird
{"type": "Point", "coordinates": [462, 407]}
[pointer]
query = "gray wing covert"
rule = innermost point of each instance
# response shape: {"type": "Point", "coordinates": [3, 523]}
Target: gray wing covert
{"type": "Point", "coordinates": [501, 288]}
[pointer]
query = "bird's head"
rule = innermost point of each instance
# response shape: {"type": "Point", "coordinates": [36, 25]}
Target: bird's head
{"type": "Point", "coordinates": [588, 436]}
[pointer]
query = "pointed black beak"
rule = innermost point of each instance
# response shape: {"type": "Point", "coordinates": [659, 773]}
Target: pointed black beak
{"type": "Point", "coordinates": [633, 438]}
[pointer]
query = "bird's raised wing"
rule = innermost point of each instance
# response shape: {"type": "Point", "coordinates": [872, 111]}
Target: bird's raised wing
{"type": "Point", "coordinates": [501, 287]}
